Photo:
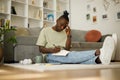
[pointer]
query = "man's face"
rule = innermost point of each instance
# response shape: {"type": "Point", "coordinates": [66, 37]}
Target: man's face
{"type": "Point", "coordinates": [61, 24]}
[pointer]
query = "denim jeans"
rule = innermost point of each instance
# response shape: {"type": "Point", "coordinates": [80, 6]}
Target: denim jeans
{"type": "Point", "coordinates": [81, 57]}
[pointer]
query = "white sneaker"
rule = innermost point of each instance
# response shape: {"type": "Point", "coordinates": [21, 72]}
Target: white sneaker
{"type": "Point", "coordinates": [107, 50]}
{"type": "Point", "coordinates": [114, 36]}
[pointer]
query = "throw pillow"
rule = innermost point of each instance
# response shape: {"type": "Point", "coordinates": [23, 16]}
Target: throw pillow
{"type": "Point", "coordinates": [93, 36]}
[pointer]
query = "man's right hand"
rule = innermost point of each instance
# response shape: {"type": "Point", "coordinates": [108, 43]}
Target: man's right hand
{"type": "Point", "coordinates": [56, 49]}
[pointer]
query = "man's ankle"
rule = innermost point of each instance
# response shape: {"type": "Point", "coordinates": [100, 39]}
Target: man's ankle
{"type": "Point", "coordinates": [97, 52]}
{"type": "Point", "coordinates": [98, 60]}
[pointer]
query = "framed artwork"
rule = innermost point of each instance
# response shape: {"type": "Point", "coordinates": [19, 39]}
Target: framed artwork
{"type": "Point", "coordinates": [94, 9]}
{"type": "Point", "coordinates": [88, 7]}
{"type": "Point", "coordinates": [87, 16]}
{"type": "Point", "coordinates": [118, 15]}
{"type": "Point", "coordinates": [104, 16]}
{"type": "Point", "coordinates": [116, 1]}
{"type": "Point", "coordinates": [94, 19]}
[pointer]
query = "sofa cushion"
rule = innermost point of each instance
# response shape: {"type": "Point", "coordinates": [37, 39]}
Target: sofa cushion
{"type": "Point", "coordinates": [78, 35]}
{"type": "Point", "coordinates": [91, 45]}
{"type": "Point", "coordinates": [93, 36]}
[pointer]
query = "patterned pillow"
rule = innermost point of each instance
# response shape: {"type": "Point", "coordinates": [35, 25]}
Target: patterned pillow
{"type": "Point", "coordinates": [93, 36]}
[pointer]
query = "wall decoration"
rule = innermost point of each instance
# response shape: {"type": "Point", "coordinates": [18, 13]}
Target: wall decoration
{"type": "Point", "coordinates": [118, 15]}
{"type": "Point", "coordinates": [104, 16]}
{"type": "Point", "coordinates": [94, 9]}
{"type": "Point", "coordinates": [94, 19]}
{"type": "Point", "coordinates": [116, 1]}
{"type": "Point", "coordinates": [106, 4]}
{"type": "Point", "coordinates": [50, 17]}
{"type": "Point", "coordinates": [88, 7]}
{"type": "Point", "coordinates": [87, 16]}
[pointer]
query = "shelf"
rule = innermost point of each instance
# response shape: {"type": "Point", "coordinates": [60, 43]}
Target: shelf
{"type": "Point", "coordinates": [32, 12]}
{"type": "Point", "coordinates": [62, 1]}
{"type": "Point", "coordinates": [35, 19]}
{"type": "Point", "coordinates": [35, 6]}
{"type": "Point", "coordinates": [18, 16]}
{"type": "Point", "coordinates": [18, 21]}
{"type": "Point", "coordinates": [4, 13]}
{"type": "Point", "coordinates": [19, 2]}
{"type": "Point", "coordinates": [48, 9]}
{"type": "Point", "coordinates": [49, 21]}
{"type": "Point", "coordinates": [4, 16]}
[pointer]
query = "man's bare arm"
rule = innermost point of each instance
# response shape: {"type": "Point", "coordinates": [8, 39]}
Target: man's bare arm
{"type": "Point", "coordinates": [68, 41]}
{"type": "Point", "coordinates": [49, 50]}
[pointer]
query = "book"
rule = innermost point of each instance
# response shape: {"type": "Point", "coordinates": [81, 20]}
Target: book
{"type": "Point", "coordinates": [61, 53]}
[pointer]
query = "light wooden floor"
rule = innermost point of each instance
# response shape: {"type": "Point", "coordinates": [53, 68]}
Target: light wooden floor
{"type": "Point", "coordinates": [11, 73]}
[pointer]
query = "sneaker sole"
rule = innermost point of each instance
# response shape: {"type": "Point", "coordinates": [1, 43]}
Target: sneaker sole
{"type": "Point", "coordinates": [114, 36]}
{"type": "Point", "coordinates": [107, 50]}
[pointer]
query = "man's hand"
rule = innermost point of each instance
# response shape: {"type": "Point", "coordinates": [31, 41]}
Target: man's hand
{"type": "Point", "coordinates": [68, 31]}
{"type": "Point", "coordinates": [56, 49]}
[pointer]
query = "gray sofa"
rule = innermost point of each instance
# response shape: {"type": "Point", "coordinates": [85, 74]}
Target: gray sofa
{"type": "Point", "coordinates": [26, 44]}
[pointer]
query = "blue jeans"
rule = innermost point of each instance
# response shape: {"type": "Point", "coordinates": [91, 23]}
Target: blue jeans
{"type": "Point", "coordinates": [81, 57]}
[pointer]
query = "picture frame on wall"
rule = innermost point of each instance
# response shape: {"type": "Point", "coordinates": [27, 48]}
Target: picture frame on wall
{"type": "Point", "coordinates": [105, 16]}
{"type": "Point", "coordinates": [88, 16]}
{"type": "Point", "coordinates": [118, 16]}
{"type": "Point", "coordinates": [94, 9]}
{"type": "Point", "coordinates": [88, 7]}
{"type": "Point", "coordinates": [94, 19]}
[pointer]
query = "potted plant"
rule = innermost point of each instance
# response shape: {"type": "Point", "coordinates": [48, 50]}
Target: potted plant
{"type": "Point", "coordinates": [5, 29]}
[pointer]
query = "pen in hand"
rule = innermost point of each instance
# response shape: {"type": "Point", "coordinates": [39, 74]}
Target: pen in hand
{"type": "Point", "coordinates": [54, 45]}
{"type": "Point", "coordinates": [57, 48]}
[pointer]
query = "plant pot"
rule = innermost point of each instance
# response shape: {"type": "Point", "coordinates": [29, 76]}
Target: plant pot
{"type": "Point", "coordinates": [1, 53]}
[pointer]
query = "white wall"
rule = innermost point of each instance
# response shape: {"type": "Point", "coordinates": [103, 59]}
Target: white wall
{"type": "Point", "coordinates": [106, 26]}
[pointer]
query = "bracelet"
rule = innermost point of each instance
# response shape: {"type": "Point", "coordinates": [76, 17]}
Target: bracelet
{"type": "Point", "coordinates": [69, 36]}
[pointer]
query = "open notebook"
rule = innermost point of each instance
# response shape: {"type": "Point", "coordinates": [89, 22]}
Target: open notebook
{"type": "Point", "coordinates": [61, 53]}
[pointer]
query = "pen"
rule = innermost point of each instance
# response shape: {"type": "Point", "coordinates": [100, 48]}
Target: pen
{"type": "Point", "coordinates": [54, 45]}
{"type": "Point", "coordinates": [58, 46]}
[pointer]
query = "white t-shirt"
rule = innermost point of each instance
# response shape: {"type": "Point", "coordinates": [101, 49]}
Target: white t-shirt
{"type": "Point", "coordinates": [51, 38]}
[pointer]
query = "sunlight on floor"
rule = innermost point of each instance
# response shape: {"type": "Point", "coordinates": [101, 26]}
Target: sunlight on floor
{"type": "Point", "coordinates": [4, 71]}
{"type": "Point", "coordinates": [24, 76]}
